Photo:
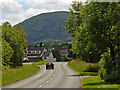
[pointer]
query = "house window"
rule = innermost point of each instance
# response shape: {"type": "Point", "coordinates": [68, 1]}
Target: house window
{"type": "Point", "coordinates": [45, 58]}
{"type": "Point", "coordinates": [28, 52]}
{"type": "Point", "coordinates": [33, 52]}
{"type": "Point", "coordinates": [37, 52]}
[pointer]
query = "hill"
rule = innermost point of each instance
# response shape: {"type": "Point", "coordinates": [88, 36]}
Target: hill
{"type": "Point", "coordinates": [46, 27]}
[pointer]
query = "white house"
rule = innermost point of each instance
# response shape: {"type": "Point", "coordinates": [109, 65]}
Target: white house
{"type": "Point", "coordinates": [48, 56]}
{"type": "Point", "coordinates": [39, 53]}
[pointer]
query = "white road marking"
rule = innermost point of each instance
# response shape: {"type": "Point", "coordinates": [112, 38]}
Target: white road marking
{"type": "Point", "coordinates": [37, 76]}
{"type": "Point", "coordinates": [41, 85]}
{"type": "Point", "coordinates": [54, 76]}
{"type": "Point", "coordinates": [47, 81]}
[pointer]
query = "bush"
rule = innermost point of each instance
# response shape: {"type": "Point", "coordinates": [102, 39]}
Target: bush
{"type": "Point", "coordinates": [69, 58]}
{"type": "Point", "coordinates": [63, 59]}
{"type": "Point", "coordinates": [108, 71]}
{"type": "Point", "coordinates": [92, 68]}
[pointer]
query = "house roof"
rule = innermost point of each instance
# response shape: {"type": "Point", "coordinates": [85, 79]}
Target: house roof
{"type": "Point", "coordinates": [46, 54]}
{"type": "Point", "coordinates": [35, 48]}
{"type": "Point", "coordinates": [64, 51]}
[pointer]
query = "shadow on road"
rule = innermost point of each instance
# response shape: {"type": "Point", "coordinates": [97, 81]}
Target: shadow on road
{"type": "Point", "coordinates": [75, 75]}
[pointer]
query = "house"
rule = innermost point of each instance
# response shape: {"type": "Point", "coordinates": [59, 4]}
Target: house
{"type": "Point", "coordinates": [48, 56]}
{"type": "Point", "coordinates": [39, 53]}
{"type": "Point", "coordinates": [64, 52]}
{"type": "Point", "coordinates": [33, 53]}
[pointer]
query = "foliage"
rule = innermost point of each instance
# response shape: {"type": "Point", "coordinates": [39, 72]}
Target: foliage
{"type": "Point", "coordinates": [13, 46]}
{"type": "Point", "coordinates": [83, 68]}
{"type": "Point", "coordinates": [95, 28]}
{"type": "Point", "coordinates": [56, 54]}
{"type": "Point", "coordinates": [81, 46]}
{"type": "Point", "coordinates": [7, 53]}
{"type": "Point", "coordinates": [63, 58]}
{"type": "Point", "coordinates": [12, 75]}
{"type": "Point", "coordinates": [108, 71]}
{"type": "Point", "coordinates": [46, 27]}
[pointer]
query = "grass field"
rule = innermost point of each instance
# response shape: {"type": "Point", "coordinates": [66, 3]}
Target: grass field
{"type": "Point", "coordinates": [13, 75]}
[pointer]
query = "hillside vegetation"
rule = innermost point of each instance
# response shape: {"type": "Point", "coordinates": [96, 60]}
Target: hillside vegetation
{"type": "Point", "coordinates": [46, 27]}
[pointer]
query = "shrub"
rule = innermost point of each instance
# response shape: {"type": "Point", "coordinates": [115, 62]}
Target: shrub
{"type": "Point", "coordinates": [92, 68]}
{"type": "Point", "coordinates": [63, 58]}
{"type": "Point", "coordinates": [108, 71]}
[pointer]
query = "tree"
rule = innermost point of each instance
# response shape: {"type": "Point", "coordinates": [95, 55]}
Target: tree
{"type": "Point", "coordinates": [96, 32]}
{"type": "Point", "coordinates": [81, 46]}
{"type": "Point", "coordinates": [7, 53]}
{"type": "Point", "coordinates": [16, 39]}
{"type": "Point", "coordinates": [56, 54]}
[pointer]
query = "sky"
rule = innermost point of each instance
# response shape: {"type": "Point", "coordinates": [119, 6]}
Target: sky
{"type": "Point", "coordinates": [16, 11]}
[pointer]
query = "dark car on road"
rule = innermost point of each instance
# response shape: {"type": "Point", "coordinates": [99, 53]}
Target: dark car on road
{"type": "Point", "coordinates": [49, 65]}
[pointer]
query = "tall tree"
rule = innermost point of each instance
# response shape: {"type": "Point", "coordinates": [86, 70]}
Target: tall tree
{"type": "Point", "coordinates": [16, 39]}
{"type": "Point", "coordinates": [96, 28]}
{"type": "Point", "coordinates": [81, 46]}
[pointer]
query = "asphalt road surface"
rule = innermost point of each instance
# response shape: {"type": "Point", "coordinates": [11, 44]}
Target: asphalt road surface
{"type": "Point", "coordinates": [61, 77]}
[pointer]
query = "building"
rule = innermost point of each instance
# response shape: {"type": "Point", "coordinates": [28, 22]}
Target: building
{"type": "Point", "coordinates": [39, 54]}
{"type": "Point", "coordinates": [48, 56]}
{"type": "Point", "coordinates": [64, 52]}
{"type": "Point", "coordinates": [33, 53]}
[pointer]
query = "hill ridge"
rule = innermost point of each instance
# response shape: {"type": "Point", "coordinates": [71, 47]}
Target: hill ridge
{"type": "Point", "coordinates": [46, 27]}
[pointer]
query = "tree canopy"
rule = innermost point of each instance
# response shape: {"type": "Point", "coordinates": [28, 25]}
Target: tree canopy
{"type": "Point", "coordinates": [13, 45]}
{"type": "Point", "coordinates": [95, 28]}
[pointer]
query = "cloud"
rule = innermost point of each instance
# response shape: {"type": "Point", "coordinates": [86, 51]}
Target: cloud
{"type": "Point", "coordinates": [14, 12]}
{"type": "Point", "coordinates": [11, 11]}
{"type": "Point", "coordinates": [50, 4]}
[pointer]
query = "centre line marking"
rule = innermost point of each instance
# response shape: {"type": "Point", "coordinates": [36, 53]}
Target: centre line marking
{"type": "Point", "coordinates": [47, 81]}
{"type": "Point", "coordinates": [41, 85]}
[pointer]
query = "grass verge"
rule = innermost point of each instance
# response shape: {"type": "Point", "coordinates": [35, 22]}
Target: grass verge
{"type": "Point", "coordinates": [83, 68]}
{"type": "Point", "coordinates": [90, 82]}
{"type": "Point", "coordinates": [40, 62]}
{"type": "Point", "coordinates": [96, 82]}
{"type": "Point", "coordinates": [13, 75]}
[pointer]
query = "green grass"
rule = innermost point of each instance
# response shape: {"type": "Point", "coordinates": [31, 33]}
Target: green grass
{"type": "Point", "coordinates": [96, 82]}
{"type": "Point", "coordinates": [13, 75]}
{"type": "Point", "coordinates": [40, 62]}
{"type": "Point", "coordinates": [83, 68]}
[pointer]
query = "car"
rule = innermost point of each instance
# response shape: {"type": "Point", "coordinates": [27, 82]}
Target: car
{"type": "Point", "coordinates": [25, 59]}
{"type": "Point", "coordinates": [49, 65]}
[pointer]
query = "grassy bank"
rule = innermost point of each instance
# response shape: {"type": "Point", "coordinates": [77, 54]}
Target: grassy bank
{"type": "Point", "coordinates": [96, 82]}
{"type": "Point", "coordinates": [40, 62]}
{"type": "Point", "coordinates": [83, 68]}
{"type": "Point", "coordinates": [13, 75]}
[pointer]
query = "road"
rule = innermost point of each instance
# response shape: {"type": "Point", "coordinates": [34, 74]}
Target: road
{"type": "Point", "coordinates": [61, 77]}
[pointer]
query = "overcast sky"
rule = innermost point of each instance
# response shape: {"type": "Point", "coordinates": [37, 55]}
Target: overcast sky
{"type": "Point", "coordinates": [16, 11]}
